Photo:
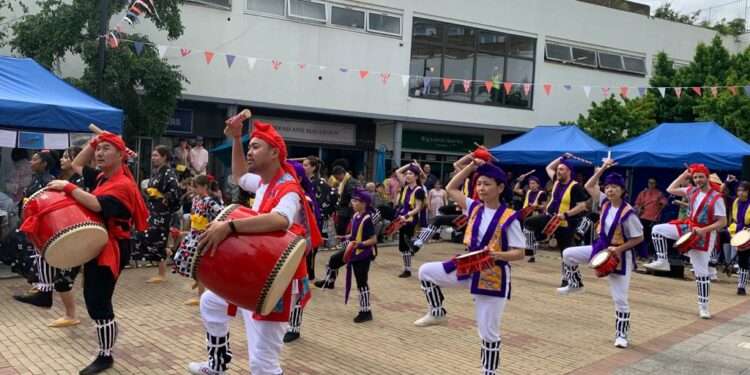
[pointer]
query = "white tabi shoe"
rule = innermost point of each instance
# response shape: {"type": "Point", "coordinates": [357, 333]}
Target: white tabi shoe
{"type": "Point", "coordinates": [201, 368]}
{"type": "Point", "coordinates": [621, 342]}
{"type": "Point", "coordinates": [429, 320]}
{"type": "Point", "coordinates": [659, 265]}
{"type": "Point", "coordinates": [704, 313]}
{"type": "Point", "coordinates": [564, 291]}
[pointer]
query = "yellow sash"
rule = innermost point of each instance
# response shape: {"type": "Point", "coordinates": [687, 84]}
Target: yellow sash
{"type": "Point", "coordinates": [526, 198]}
{"type": "Point", "coordinates": [735, 212]}
{"type": "Point", "coordinates": [565, 203]}
{"type": "Point", "coordinates": [496, 240]}
{"type": "Point", "coordinates": [412, 200]}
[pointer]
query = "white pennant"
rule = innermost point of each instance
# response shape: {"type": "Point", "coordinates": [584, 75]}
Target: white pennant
{"type": "Point", "coordinates": [404, 80]}
{"type": "Point", "coordinates": [322, 67]}
{"type": "Point", "coordinates": [251, 62]}
{"type": "Point", "coordinates": [662, 91]}
{"type": "Point", "coordinates": [587, 90]}
{"type": "Point", "coordinates": [162, 51]}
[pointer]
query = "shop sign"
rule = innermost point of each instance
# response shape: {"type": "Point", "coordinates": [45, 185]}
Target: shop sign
{"type": "Point", "coordinates": [315, 131]}
{"type": "Point", "coordinates": [448, 142]}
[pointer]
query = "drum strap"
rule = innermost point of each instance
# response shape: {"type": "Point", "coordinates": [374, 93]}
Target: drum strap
{"type": "Point", "coordinates": [33, 214]}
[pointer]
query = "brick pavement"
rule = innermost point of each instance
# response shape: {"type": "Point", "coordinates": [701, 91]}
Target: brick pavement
{"type": "Point", "coordinates": [542, 333]}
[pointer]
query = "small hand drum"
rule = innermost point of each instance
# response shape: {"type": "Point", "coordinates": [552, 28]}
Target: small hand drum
{"type": "Point", "coordinates": [460, 222]}
{"type": "Point", "coordinates": [349, 251]}
{"type": "Point", "coordinates": [741, 240]}
{"type": "Point", "coordinates": [475, 261]}
{"type": "Point", "coordinates": [604, 263]}
{"type": "Point", "coordinates": [686, 242]}
{"type": "Point", "coordinates": [527, 211]}
{"type": "Point", "coordinates": [394, 226]}
{"type": "Point", "coordinates": [551, 227]}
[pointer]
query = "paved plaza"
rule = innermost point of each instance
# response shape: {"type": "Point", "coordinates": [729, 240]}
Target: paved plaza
{"type": "Point", "coordinates": [542, 332]}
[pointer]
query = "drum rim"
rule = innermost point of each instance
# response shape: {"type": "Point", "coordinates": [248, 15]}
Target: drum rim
{"type": "Point", "coordinates": [34, 196]}
{"type": "Point", "coordinates": [683, 239]}
{"type": "Point", "coordinates": [194, 261]}
{"type": "Point", "coordinates": [471, 253]}
{"type": "Point", "coordinates": [746, 234]}
{"type": "Point", "coordinates": [58, 236]}
{"type": "Point", "coordinates": [598, 255]}
{"type": "Point", "coordinates": [271, 279]}
{"type": "Point", "coordinates": [226, 211]}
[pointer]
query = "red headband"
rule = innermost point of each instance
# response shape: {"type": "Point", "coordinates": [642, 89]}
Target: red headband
{"type": "Point", "coordinates": [266, 132]}
{"type": "Point", "coordinates": [114, 140]}
{"type": "Point", "coordinates": [699, 168]}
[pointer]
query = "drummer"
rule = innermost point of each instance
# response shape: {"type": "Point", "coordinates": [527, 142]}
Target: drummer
{"type": "Point", "coordinates": [281, 205]}
{"type": "Point", "coordinates": [533, 196]}
{"type": "Point", "coordinates": [620, 231]}
{"type": "Point", "coordinates": [568, 203]}
{"type": "Point", "coordinates": [115, 197]}
{"type": "Point", "coordinates": [491, 226]}
{"type": "Point", "coordinates": [412, 210]}
{"type": "Point", "coordinates": [707, 214]}
{"type": "Point", "coordinates": [741, 221]}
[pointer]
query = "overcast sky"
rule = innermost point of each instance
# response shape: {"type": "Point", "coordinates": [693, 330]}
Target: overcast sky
{"type": "Point", "coordinates": [728, 9]}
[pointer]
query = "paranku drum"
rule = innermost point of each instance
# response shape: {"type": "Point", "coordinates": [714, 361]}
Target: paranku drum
{"type": "Point", "coordinates": [64, 232]}
{"type": "Point", "coordinates": [460, 222]}
{"type": "Point", "coordinates": [552, 225]}
{"type": "Point", "coordinates": [741, 240]}
{"type": "Point", "coordinates": [251, 271]}
{"type": "Point", "coordinates": [686, 242]}
{"type": "Point", "coordinates": [349, 251]}
{"type": "Point", "coordinates": [394, 226]}
{"type": "Point", "coordinates": [527, 211]}
{"type": "Point", "coordinates": [475, 261]}
{"type": "Point", "coordinates": [604, 263]}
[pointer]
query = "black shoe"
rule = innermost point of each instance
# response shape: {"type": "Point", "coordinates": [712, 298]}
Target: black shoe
{"type": "Point", "coordinates": [415, 249]}
{"type": "Point", "coordinates": [291, 336]}
{"type": "Point", "coordinates": [41, 299]}
{"type": "Point", "coordinates": [363, 316]}
{"type": "Point", "coordinates": [405, 274]}
{"type": "Point", "coordinates": [741, 292]}
{"type": "Point", "coordinates": [100, 364]}
{"type": "Point", "coordinates": [323, 284]}
{"type": "Point", "coordinates": [532, 260]}
{"type": "Point", "coordinates": [563, 283]}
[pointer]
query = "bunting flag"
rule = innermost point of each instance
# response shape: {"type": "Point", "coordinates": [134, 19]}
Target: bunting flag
{"type": "Point", "coordinates": [322, 67]}
{"type": "Point", "coordinates": [384, 77]}
{"type": "Point", "coordinates": [112, 40]}
{"type": "Point", "coordinates": [162, 51]}
{"type": "Point", "coordinates": [209, 56]}
{"type": "Point", "coordinates": [343, 70]}
{"type": "Point", "coordinates": [678, 91]}
{"type": "Point", "coordinates": [507, 86]}
{"type": "Point", "coordinates": [642, 91]}
{"type": "Point", "coordinates": [230, 60]}
{"type": "Point", "coordinates": [138, 48]}
{"type": "Point", "coordinates": [732, 90]}
{"type": "Point", "coordinates": [697, 90]}
{"type": "Point", "coordinates": [251, 62]}
{"type": "Point", "coordinates": [547, 88]}
{"type": "Point", "coordinates": [276, 64]}
{"type": "Point", "coordinates": [662, 91]}
{"type": "Point", "coordinates": [605, 92]}
{"type": "Point", "coordinates": [714, 91]}
{"type": "Point", "coordinates": [526, 89]}
{"type": "Point", "coordinates": [447, 83]}
{"type": "Point", "coordinates": [587, 91]}
{"type": "Point", "coordinates": [568, 87]}
{"type": "Point", "coordinates": [363, 74]}
{"type": "Point", "coordinates": [184, 52]}
{"type": "Point", "coordinates": [467, 85]}
{"type": "Point", "coordinates": [301, 66]}
{"type": "Point", "coordinates": [624, 91]}
{"type": "Point", "coordinates": [404, 80]}
{"type": "Point", "coordinates": [488, 86]}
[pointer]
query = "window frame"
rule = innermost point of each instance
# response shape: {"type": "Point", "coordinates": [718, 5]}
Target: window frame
{"type": "Point", "coordinates": [642, 58]}
{"type": "Point", "coordinates": [371, 30]}
{"type": "Point", "coordinates": [210, 4]}
{"type": "Point", "coordinates": [547, 56]}
{"type": "Point", "coordinates": [283, 15]}
{"type": "Point", "coordinates": [363, 11]}
{"type": "Point", "coordinates": [599, 61]}
{"type": "Point", "coordinates": [326, 14]}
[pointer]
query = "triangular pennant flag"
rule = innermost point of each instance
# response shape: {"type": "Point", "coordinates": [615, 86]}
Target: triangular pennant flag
{"type": "Point", "coordinates": [447, 83]}
{"type": "Point", "coordinates": [209, 56]}
{"type": "Point", "coordinates": [467, 85]}
{"type": "Point", "coordinates": [697, 90]}
{"type": "Point", "coordinates": [385, 77]}
{"type": "Point", "coordinates": [714, 91]}
{"type": "Point", "coordinates": [568, 87]}
{"type": "Point", "coordinates": [301, 66]}
{"type": "Point", "coordinates": [138, 47]}
{"type": "Point", "coordinates": [624, 91]}
{"type": "Point", "coordinates": [363, 74]}
{"type": "Point", "coordinates": [662, 91]}
{"type": "Point", "coordinates": [677, 91]}
{"type": "Point", "coordinates": [162, 50]}
{"type": "Point", "coordinates": [153, 8]}
{"type": "Point", "coordinates": [251, 62]}
{"type": "Point", "coordinates": [732, 90]}
{"type": "Point", "coordinates": [404, 80]}
{"type": "Point", "coordinates": [747, 90]}
{"type": "Point", "coordinates": [276, 64]}
{"type": "Point", "coordinates": [526, 89]}
{"type": "Point", "coordinates": [343, 70]}
{"type": "Point", "coordinates": [641, 91]}
{"type": "Point", "coordinates": [587, 91]}
{"type": "Point", "coordinates": [112, 40]}
{"type": "Point", "coordinates": [507, 86]}
{"type": "Point", "coordinates": [230, 60]}
{"type": "Point", "coordinates": [426, 81]}
{"type": "Point", "coordinates": [184, 52]}
{"type": "Point", "coordinates": [605, 92]}
{"type": "Point", "coordinates": [146, 7]}
{"type": "Point", "coordinates": [322, 67]}
{"type": "Point", "coordinates": [488, 86]}
{"type": "Point", "coordinates": [547, 88]}
{"type": "Point", "coordinates": [135, 10]}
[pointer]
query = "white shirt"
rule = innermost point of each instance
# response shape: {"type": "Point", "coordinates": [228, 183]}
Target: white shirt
{"type": "Point", "coordinates": [632, 226]}
{"type": "Point", "coordinates": [289, 206]}
{"type": "Point", "coordinates": [199, 159]}
{"type": "Point", "coordinates": [719, 208]}
{"type": "Point", "coordinates": [516, 239]}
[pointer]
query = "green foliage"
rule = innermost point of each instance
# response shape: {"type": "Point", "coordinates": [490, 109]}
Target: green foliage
{"type": "Point", "coordinates": [613, 121]}
{"type": "Point", "coordinates": [144, 86]}
{"type": "Point", "coordinates": [5, 24]}
{"type": "Point", "coordinates": [667, 13]}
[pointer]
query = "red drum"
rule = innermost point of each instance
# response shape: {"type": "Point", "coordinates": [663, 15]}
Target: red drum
{"type": "Point", "coordinates": [552, 225]}
{"type": "Point", "coordinates": [349, 251]}
{"type": "Point", "coordinates": [686, 242]}
{"type": "Point", "coordinates": [64, 232]}
{"type": "Point", "coordinates": [604, 263]}
{"type": "Point", "coordinates": [460, 222]}
{"type": "Point", "coordinates": [251, 271]}
{"type": "Point", "coordinates": [527, 211]}
{"type": "Point", "coordinates": [475, 261]}
{"type": "Point", "coordinates": [394, 226]}
{"type": "Point", "coordinates": [741, 240]}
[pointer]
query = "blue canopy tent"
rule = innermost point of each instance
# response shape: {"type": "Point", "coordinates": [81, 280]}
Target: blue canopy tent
{"type": "Point", "coordinates": [673, 145]}
{"type": "Point", "coordinates": [544, 143]}
{"type": "Point", "coordinates": [32, 99]}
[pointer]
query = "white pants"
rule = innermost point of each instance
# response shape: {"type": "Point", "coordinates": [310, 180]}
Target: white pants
{"type": "Point", "coordinates": [698, 259]}
{"type": "Point", "coordinates": [264, 338]}
{"type": "Point", "coordinates": [618, 284]}
{"type": "Point", "coordinates": [488, 311]}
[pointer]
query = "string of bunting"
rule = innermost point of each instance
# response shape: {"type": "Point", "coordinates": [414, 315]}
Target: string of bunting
{"type": "Point", "coordinates": [445, 83]}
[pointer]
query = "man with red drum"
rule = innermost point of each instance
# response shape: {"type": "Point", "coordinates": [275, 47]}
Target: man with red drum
{"type": "Point", "coordinates": [281, 205]}
{"type": "Point", "coordinates": [741, 221]}
{"type": "Point", "coordinates": [620, 232]}
{"type": "Point", "coordinates": [706, 216]}
{"type": "Point", "coordinates": [491, 226]}
{"type": "Point", "coordinates": [117, 200]}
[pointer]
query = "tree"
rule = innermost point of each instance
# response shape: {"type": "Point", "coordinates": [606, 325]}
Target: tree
{"type": "Point", "coordinates": [144, 86]}
{"type": "Point", "coordinates": [667, 13]}
{"type": "Point", "coordinates": [613, 121]}
{"type": "Point", "coordinates": [734, 27]}
{"type": "Point", "coordinates": [10, 5]}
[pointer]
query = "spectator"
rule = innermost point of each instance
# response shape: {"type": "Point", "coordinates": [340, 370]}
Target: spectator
{"type": "Point", "coordinates": [649, 204]}
{"type": "Point", "coordinates": [181, 154]}
{"type": "Point", "coordinates": [393, 187]}
{"type": "Point", "coordinates": [20, 174]}
{"type": "Point", "coordinates": [430, 179]}
{"type": "Point", "coordinates": [198, 157]}
{"type": "Point", "coordinates": [437, 197]}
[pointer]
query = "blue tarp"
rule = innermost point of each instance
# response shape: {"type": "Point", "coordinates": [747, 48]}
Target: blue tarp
{"type": "Point", "coordinates": [32, 98]}
{"type": "Point", "coordinates": [546, 142]}
{"type": "Point", "coordinates": [673, 145]}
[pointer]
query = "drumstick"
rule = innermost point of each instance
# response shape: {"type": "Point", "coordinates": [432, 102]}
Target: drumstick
{"type": "Point", "coordinates": [485, 148]}
{"type": "Point", "coordinates": [582, 160]}
{"type": "Point", "coordinates": [97, 130]}
{"type": "Point", "coordinates": [242, 116]}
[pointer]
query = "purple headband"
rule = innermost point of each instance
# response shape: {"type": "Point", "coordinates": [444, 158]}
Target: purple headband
{"type": "Point", "coordinates": [301, 175]}
{"type": "Point", "coordinates": [493, 172]}
{"type": "Point", "coordinates": [363, 196]}
{"type": "Point", "coordinates": [569, 164]}
{"type": "Point", "coordinates": [614, 178]}
{"type": "Point", "coordinates": [535, 179]}
{"type": "Point", "coordinates": [414, 169]}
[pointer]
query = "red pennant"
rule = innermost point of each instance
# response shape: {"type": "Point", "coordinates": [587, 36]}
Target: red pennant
{"type": "Point", "coordinates": [526, 89]}
{"type": "Point", "coordinates": [363, 74]}
{"type": "Point", "coordinates": [276, 64]}
{"type": "Point", "coordinates": [447, 83]}
{"type": "Point", "coordinates": [547, 88]}
{"type": "Point", "coordinates": [209, 56]}
{"type": "Point", "coordinates": [467, 85]}
{"type": "Point", "coordinates": [184, 52]}
{"type": "Point", "coordinates": [507, 86]}
{"type": "Point", "coordinates": [385, 77]}
{"type": "Point", "coordinates": [301, 66]}
{"type": "Point", "coordinates": [488, 86]}
{"type": "Point", "coordinates": [714, 91]}
{"type": "Point", "coordinates": [605, 92]}
{"type": "Point", "coordinates": [678, 91]}
{"type": "Point", "coordinates": [624, 91]}
{"type": "Point", "coordinates": [733, 90]}
{"type": "Point", "coordinates": [697, 90]}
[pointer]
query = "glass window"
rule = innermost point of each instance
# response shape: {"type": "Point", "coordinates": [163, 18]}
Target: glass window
{"type": "Point", "coordinates": [267, 6]}
{"type": "Point", "coordinates": [459, 65]}
{"type": "Point", "coordinates": [583, 56]}
{"type": "Point", "coordinates": [307, 10]}
{"type": "Point", "coordinates": [427, 31]}
{"type": "Point", "coordinates": [489, 68]}
{"type": "Point", "coordinates": [348, 17]}
{"type": "Point", "coordinates": [492, 42]}
{"type": "Point", "coordinates": [635, 64]}
{"type": "Point", "coordinates": [519, 72]}
{"type": "Point", "coordinates": [610, 61]}
{"type": "Point", "coordinates": [221, 3]}
{"type": "Point", "coordinates": [558, 52]}
{"type": "Point", "coordinates": [425, 62]}
{"type": "Point", "coordinates": [384, 23]}
{"type": "Point", "coordinates": [521, 47]}
{"type": "Point", "coordinates": [459, 36]}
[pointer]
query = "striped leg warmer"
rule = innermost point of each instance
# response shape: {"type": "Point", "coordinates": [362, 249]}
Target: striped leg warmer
{"type": "Point", "coordinates": [219, 352]}
{"type": "Point", "coordinates": [106, 332]}
{"type": "Point", "coordinates": [435, 298]}
{"type": "Point", "coordinates": [490, 357]}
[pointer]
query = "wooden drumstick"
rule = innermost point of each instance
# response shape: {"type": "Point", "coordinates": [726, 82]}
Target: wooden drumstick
{"type": "Point", "coordinates": [488, 151]}
{"type": "Point", "coordinates": [97, 130]}
{"type": "Point", "coordinates": [582, 160]}
{"type": "Point", "coordinates": [238, 118]}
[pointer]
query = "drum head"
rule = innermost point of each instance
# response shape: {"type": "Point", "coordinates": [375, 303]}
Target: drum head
{"type": "Point", "coordinates": [75, 246]}
{"type": "Point", "coordinates": [741, 238]}
{"type": "Point", "coordinates": [281, 276]}
{"type": "Point", "coordinates": [470, 254]}
{"type": "Point", "coordinates": [599, 259]}
{"type": "Point", "coordinates": [683, 239]}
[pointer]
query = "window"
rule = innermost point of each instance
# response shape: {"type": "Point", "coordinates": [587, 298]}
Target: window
{"type": "Point", "coordinates": [489, 68]}
{"type": "Point", "coordinates": [267, 6]}
{"type": "Point", "coordinates": [307, 10]}
{"type": "Point", "coordinates": [521, 47]}
{"type": "Point", "coordinates": [558, 52]}
{"type": "Point", "coordinates": [220, 3]}
{"type": "Point", "coordinates": [459, 65]}
{"type": "Point", "coordinates": [348, 17]}
{"type": "Point", "coordinates": [425, 62]}
{"type": "Point", "coordinates": [383, 23]}
{"type": "Point", "coordinates": [427, 31]}
{"type": "Point", "coordinates": [492, 42]}
{"type": "Point", "coordinates": [635, 64]}
{"type": "Point", "coordinates": [583, 56]}
{"type": "Point", "coordinates": [459, 36]}
{"type": "Point", "coordinates": [519, 72]}
{"type": "Point", "coordinates": [610, 61]}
